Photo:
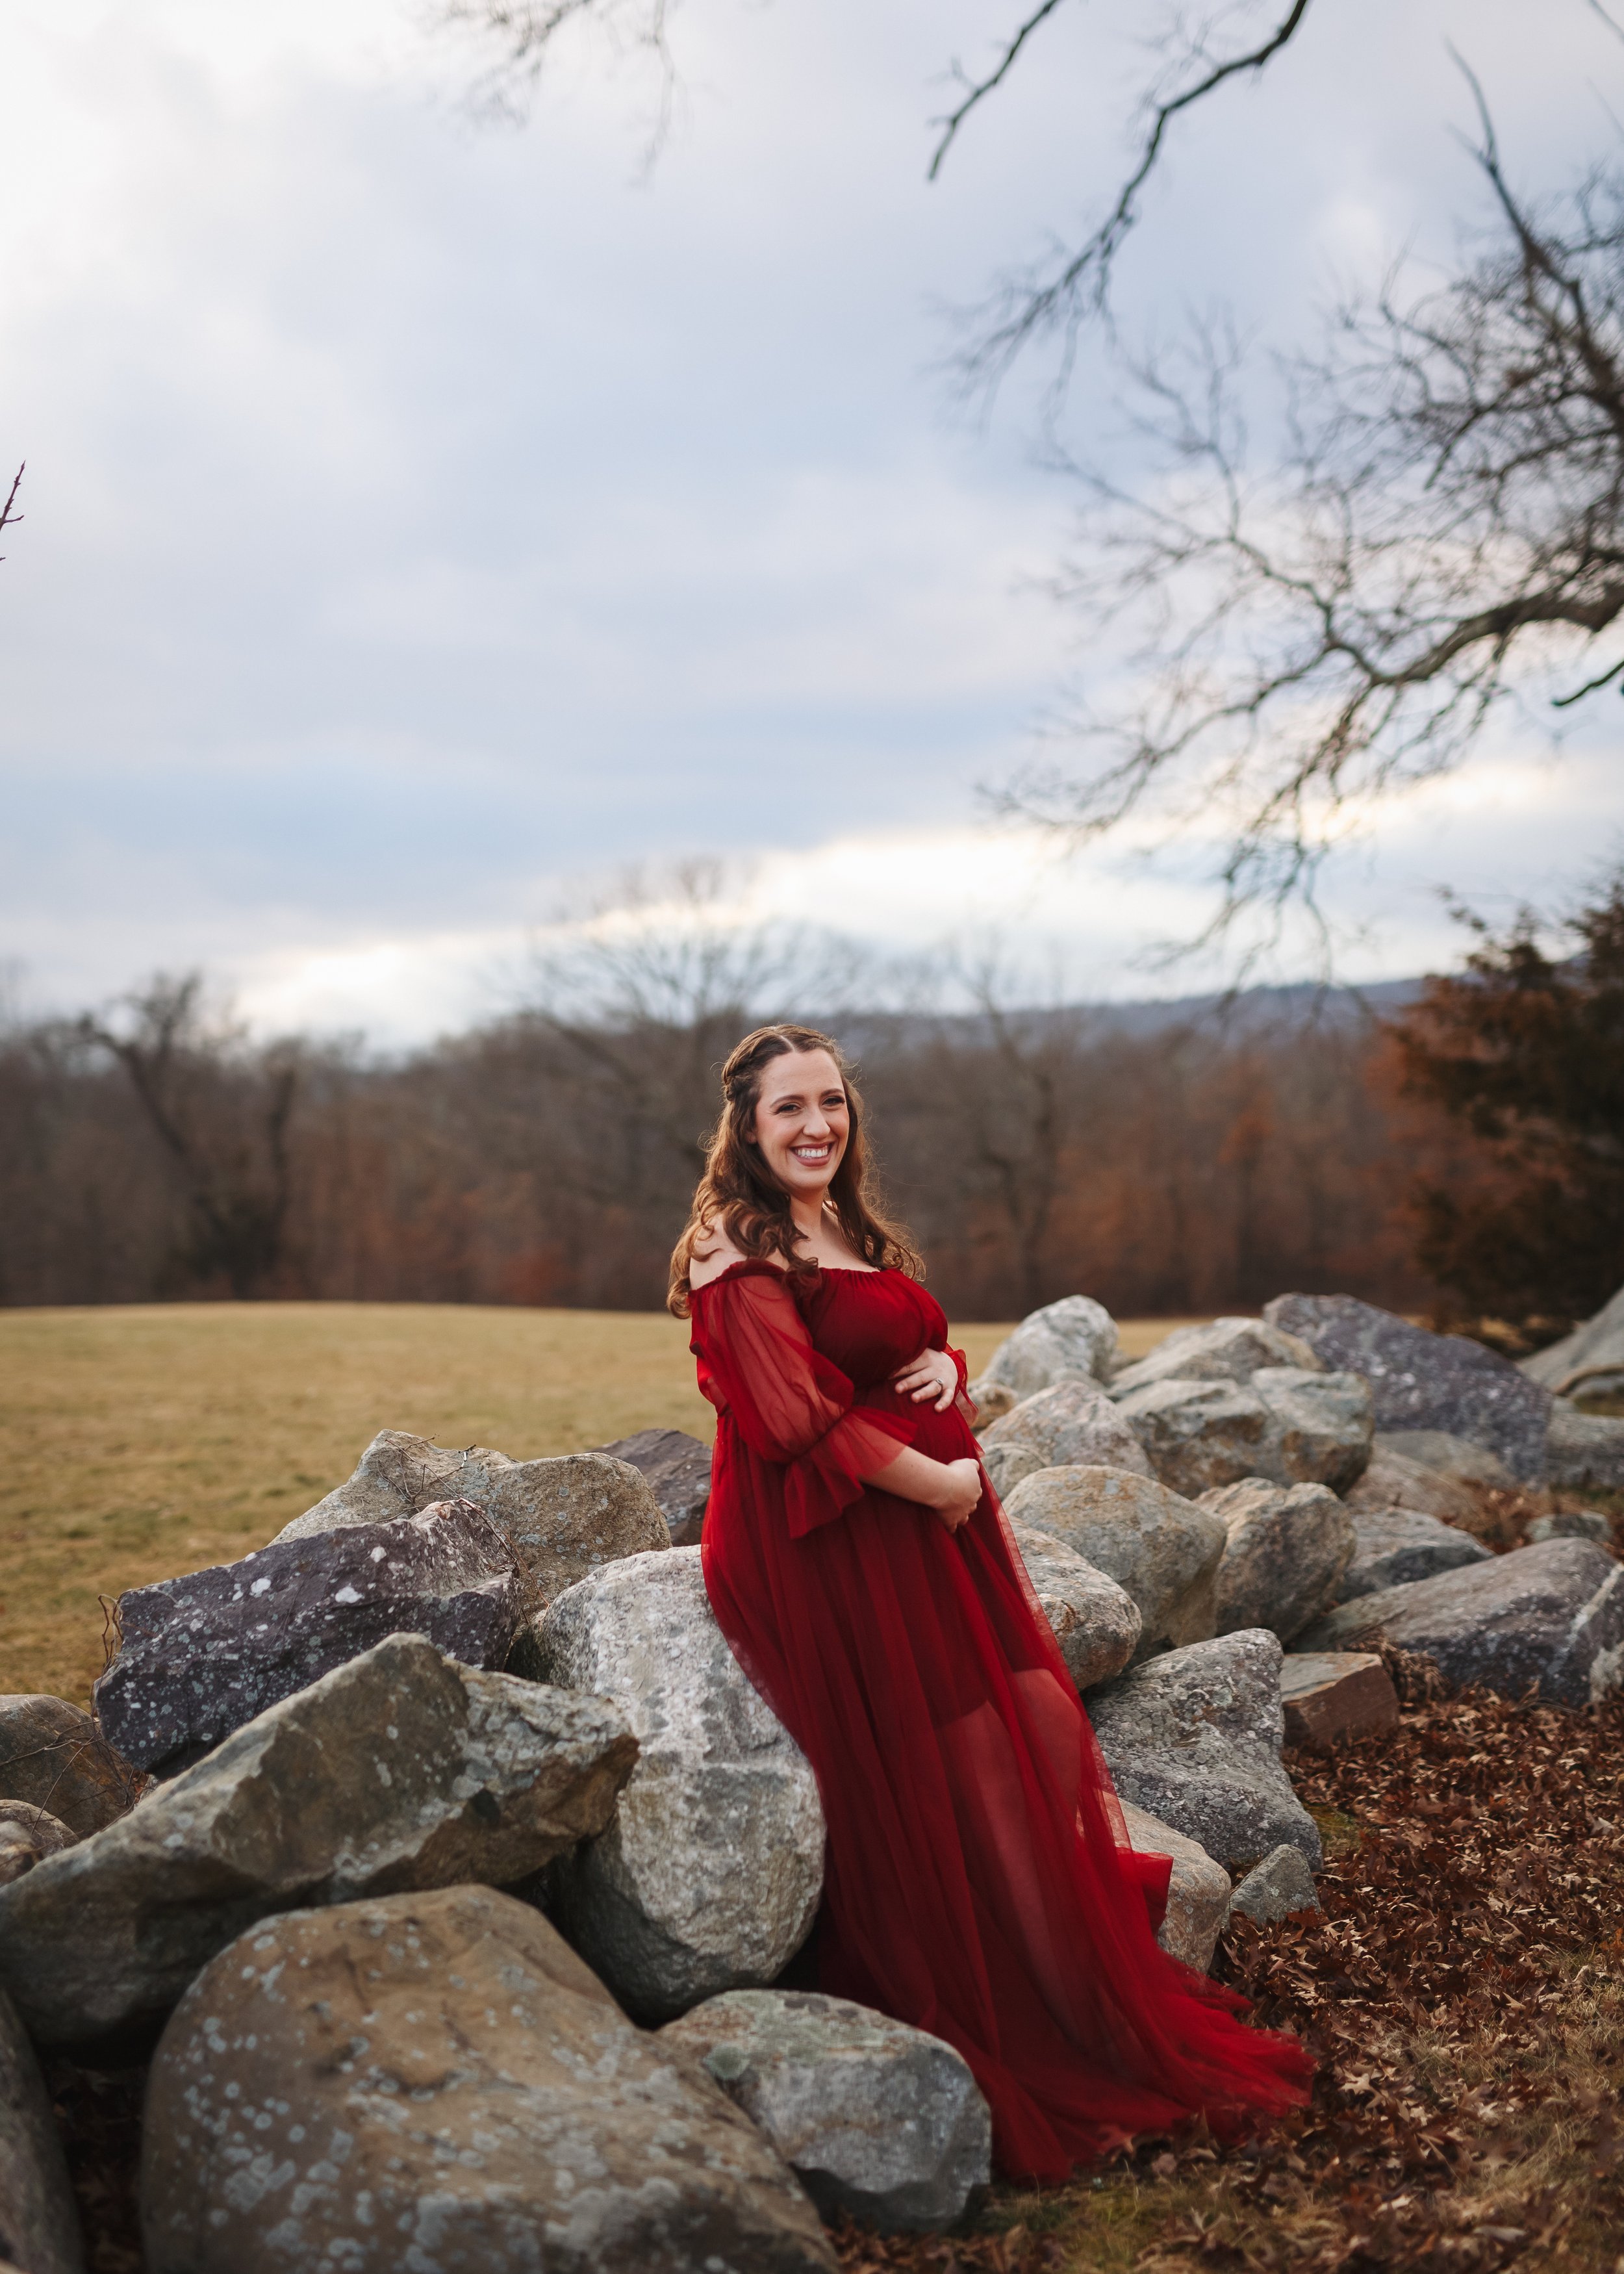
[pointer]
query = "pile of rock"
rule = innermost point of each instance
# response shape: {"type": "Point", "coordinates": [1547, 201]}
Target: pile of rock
{"type": "Point", "coordinates": [452, 1873]}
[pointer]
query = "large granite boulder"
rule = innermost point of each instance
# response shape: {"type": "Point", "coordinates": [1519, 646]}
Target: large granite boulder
{"type": "Point", "coordinates": [1225, 1350]}
{"type": "Point", "coordinates": [1194, 1737]}
{"type": "Point", "coordinates": [1073, 1424]}
{"type": "Point", "coordinates": [199, 1656]}
{"type": "Point", "coordinates": [1096, 1624]}
{"type": "Point", "coordinates": [1584, 1452]}
{"type": "Point", "coordinates": [52, 1756]}
{"type": "Point", "coordinates": [1287, 1423]}
{"type": "Point", "coordinates": [1286, 1549]}
{"type": "Point", "coordinates": [400, 1770]}
{"type": "Point", "coordinates": [1076, 1336]}
{"type": "Point", "coordinates": [677, 1471]}
{"type": "Point", "coordinates": [561, 1517]}
{"type": "Point", "coordinates": [1394, 1481]}
{"type": "Point", "coordinates": [1394, 1546]}
{"type": "Point", "coordinates": [878, 2122]}
{"type": "Point", "coordinates": [1161, 1550]}
{"type": "Point", "coordinates": [1422, 1380]}
{"type": "Point", "coordinates": [708, 1876]}
{"type": "Point", "coordinates": [1550, 1615]}
{"type": "Point", "coordinates": [1588, 1362]}
{"type": "Point", "coordinates": [1198, 1893]}
{"type": "Point", "coordinates": [436, 2082]}
{"type": "Point", "coordinates": [39, 2220]}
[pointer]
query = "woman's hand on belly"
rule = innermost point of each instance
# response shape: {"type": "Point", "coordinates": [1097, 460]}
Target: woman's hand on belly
{"type": "Point", "coordinates": [932, 1375]}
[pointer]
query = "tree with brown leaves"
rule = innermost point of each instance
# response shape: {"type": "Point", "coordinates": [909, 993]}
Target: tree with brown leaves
{"type": "Point", "coordinates": [1524, 1053]}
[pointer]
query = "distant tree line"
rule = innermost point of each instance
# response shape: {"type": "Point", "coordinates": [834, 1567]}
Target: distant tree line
{"type": "Point", "coordinates": [1463, 1156]}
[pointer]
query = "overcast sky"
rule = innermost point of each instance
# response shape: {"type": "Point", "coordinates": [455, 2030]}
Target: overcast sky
{"type": "Point", "coordinates": [424, 517]}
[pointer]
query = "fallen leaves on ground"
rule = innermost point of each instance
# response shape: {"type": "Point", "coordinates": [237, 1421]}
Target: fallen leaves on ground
{"type": "Point", "coordinates": [1463, 1990]}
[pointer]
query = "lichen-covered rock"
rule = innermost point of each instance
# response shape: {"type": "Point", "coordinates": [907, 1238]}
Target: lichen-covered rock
{"type": "Point", "coordinates": [1588, 1362]}
{"type": "Point", "coordinates": [1573, 1524]}
{"type": "Point", "coordinates": [1273, 1889]}
{"type": "Point", "coordinates": [1096, 1624]}
{"type": "Point", "coordinates": [436, 2082]}
{"type": "Point", "coordinates": [39, 2221]}
{"type": "Point", "coordinates": [1422, 1380]}
{"type": "Point", "coordinates": [1550, 1615]}
{"type": "Point", "coordinates": [1161, 1550]}
{"type": "Point", "coordinates": [400, 1770]}
{"type": "Point", "coordinates": [1584, 1452]}
{"type": "Point", "coordinates": [677, 1471]}
{"type": "Point", "coordinates": [1474, 1468]}
{"type": "Point", "coordinates": [1331, 1696]}
{"type": "Point", "coordinates": [1076, 1336]}
{"type": "Point", "coordinates": [1073, 1424]}
{"type": "Point", "coordinates": [708, 1877]}
{"type": "Point", "coordinates": [1287, 1424]}
{"type": "Point", "coordinates": [1194, 1737]}
{"type": "Point", "coordinates": [877, 2120]}
{"type": "Point", "coordinates": [1286, 1549]}
{"type": "Point", "coordinates": [52, 1756]}
{"type": "Point", "coordinates": [1225, 1350]}
{"type": "Point", "coordinates": [1394, 1546]}
{"type": "Point", "coordinates": [561, 1517]}
{"type": "Point", "coordinates": [1198, 1893]}
{"type": "Point", "coordinates": [27, 1837]}
{"type": "Point", "coordinates": [1394, 1481]}
{"type": "Point", "coordinates": [199, 1656]}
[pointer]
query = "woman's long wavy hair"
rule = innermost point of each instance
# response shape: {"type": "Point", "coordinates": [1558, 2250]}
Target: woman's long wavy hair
{"type": "Point", "coordinates": [740, 1195]}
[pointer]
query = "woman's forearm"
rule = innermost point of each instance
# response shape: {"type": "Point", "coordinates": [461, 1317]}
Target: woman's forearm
{"type": "Point", "coordinates": [914, 1476]}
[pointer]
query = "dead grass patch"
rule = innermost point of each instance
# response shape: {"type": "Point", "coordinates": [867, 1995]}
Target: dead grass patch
{"type": "Point", "coordinates": [141, 1441]}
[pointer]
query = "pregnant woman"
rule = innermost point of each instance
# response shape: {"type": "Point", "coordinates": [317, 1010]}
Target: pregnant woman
{"type": "Point", "coordinates": [979, 1884]}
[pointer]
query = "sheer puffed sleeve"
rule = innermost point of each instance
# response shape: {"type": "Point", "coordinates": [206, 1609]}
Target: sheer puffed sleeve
{"type": "Point", "coordinates": [789, 1403]}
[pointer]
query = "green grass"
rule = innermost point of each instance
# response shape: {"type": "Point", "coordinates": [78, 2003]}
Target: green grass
{"type": "Point", "coordinates": [140, 1442]}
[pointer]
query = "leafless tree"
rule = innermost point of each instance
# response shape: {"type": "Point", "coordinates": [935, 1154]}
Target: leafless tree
{"type": "Point", "coordinates": [220, 1109]}
{"type": "Point", "coordinates": [1444, 531]}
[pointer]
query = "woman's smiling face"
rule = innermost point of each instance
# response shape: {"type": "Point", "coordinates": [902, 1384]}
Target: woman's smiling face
{"type": "Point", "coordinates": [803, 1123]}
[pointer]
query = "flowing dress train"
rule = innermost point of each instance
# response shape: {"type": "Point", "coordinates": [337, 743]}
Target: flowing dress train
{"type": "Point", "coordinates": [978, 1880]}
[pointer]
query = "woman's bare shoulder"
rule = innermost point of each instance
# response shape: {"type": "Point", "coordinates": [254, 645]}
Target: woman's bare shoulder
{"type": "Point", "coordinates": [713, 1254]}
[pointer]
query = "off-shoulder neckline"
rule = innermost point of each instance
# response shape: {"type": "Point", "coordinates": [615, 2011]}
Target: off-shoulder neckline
{"type": "Point", "coordinates": [761, 1263]}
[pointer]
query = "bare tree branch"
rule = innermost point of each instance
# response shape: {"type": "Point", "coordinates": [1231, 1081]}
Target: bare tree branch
{"type": "Point", "coordinates": [1080, 285]}
{"type": "Point", "coordinates": [8, 519]}
{"type": "Point", "coordinates": [1444, 532]}
{"type": "Point", "coordinates": [979, 89]}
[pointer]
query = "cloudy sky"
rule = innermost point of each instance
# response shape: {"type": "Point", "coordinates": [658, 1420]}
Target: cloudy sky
{"type": "Point", "coordinates": [428, 518]}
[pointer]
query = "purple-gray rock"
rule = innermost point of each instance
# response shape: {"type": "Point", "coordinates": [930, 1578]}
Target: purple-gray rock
{"type": "Point", "coordinates": [677, 1469]}
{"type": "Point", "coordinates": [202, 1655]}
{"type": "Point", "coordinates": [1394, 1546]}
{"type": "Point", "coordinates": [1553, 1615]}
{"type": "Point", "coordinates": [1422, 1380]}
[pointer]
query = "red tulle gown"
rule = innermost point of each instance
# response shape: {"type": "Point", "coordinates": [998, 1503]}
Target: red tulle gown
{"type": "Point", "coordinates": [979, 1884]}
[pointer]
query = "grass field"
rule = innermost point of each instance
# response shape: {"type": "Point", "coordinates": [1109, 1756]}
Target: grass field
{"type": "Point", "coordinates": [136, 1442]}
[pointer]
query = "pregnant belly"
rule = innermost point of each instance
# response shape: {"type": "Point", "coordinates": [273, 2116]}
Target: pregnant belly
{"type": "Point", "coordinates": [945, 1436]}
